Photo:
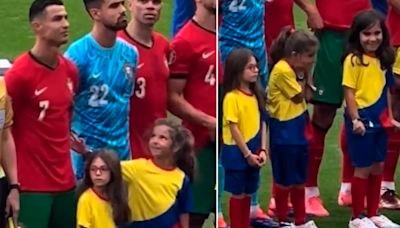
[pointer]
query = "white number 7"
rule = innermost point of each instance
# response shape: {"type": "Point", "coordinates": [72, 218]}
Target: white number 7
{"type": "Point", "coordinates": [44, 105]}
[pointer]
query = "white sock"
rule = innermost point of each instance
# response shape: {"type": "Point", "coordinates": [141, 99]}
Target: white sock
{"type": "Point", "coordinates": [345, 187]}
{"type": "Point", "coordinates": [387, 185]}
{"type": "Point", "coordinates": [312, 192]}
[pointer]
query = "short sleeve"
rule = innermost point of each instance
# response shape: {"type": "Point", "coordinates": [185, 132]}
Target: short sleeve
{"type": "Point", "coordinates": [350, 72]}
{"type": "Point", "coordinates": [230, 109]}
{"type": "Point", "coordinates": [128, 170]}
{"type": "Point", "coordinates": [84, 213]}
{"type": "Point", "coordinates": [180, 57]}
{"type": "Point", "coordinates": [389, 78]}
{"type": "Point", "coordinates": [16, 87]}
{"type": "Point", "coordinates": [185, 197]}
{"type": "Point", "coordinates": [288, 85]}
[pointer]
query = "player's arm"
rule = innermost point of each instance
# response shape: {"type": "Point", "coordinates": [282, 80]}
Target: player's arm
{"type": "Point", "coordinates": [178, 105]}
{"type": "Point", "coordinates": [314, 20]}
{"type": "Point", "coordinates": [396, 5]}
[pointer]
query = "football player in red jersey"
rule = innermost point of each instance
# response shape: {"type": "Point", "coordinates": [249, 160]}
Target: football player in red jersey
{"type": "Point", "coordinates": [192, 97]}
{"type": "Point", "coordinates": [149, 101]}
{"type": "Point", "coordinates": [41, 84]}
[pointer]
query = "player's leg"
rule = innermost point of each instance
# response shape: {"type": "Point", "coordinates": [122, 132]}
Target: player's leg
{"type": "Point", "coordinates": [221, 221]}
{"type": "Point", "coordinates": [63, 214]}
{"type": "Point", "coordinates": [327, 98]}
{"type": "Point", "coordinates": [35, 209]}
{"type": "Point", "coordinates": [344, 198]}
{"type": "Point", "coordinates": [235, 184]}
{"type": "Point", "coordinates": [204, 186]}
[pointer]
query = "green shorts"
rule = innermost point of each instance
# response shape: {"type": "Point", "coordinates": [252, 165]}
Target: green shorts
{"type": "Point", "coordinates": [328, 72]}
{"type": "Point", "coordinates": [48, 210]}
{"type": "Point", "coordinates": [204, 184]}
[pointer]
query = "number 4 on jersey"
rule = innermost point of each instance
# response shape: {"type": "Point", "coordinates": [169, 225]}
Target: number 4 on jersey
{"type": "Point", "coordinates": [210, 76]}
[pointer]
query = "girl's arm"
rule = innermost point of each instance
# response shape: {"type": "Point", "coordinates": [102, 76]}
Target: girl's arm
{"type": "Point", "coordinates": [184, 220]}
{"type": "Point", "coordinates": [247, 154]}
{"type": "Point", "coordinates": [349, 95]}
{"type": "Point", "coordinates": [263, 153]}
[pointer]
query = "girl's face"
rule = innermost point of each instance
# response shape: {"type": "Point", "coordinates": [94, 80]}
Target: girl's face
{"type": "Point", "coordinates": [371, 38]}
{"type": "Point", "coordinates": [99, 173]}
{"type": "Point", "coordinates": [160, 143]}
{"type": "Point", "coordinates": [250, 72]}
{"type": "Point", "coordinates": [307, 59]}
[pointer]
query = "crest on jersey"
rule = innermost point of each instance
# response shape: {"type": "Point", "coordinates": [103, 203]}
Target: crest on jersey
{"type": "Point", "coordinates": [129, 70]}
{"type": "Point", "coordinates": [70, 86]}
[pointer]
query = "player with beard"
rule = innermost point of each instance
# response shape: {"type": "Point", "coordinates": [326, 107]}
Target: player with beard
{"type": "Point", "coordinates": [107, 67]}
{"type": "Point", "coordinates": [152, 72]}
{"type": "Point", "coordinates": [41, 84]}
{"type": "Point", "coordinates": [192, 97]}
{"type": "Point", "coordinates": [183, 11]}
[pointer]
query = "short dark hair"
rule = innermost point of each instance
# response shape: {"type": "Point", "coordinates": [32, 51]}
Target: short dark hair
{"type": "Point", "coordinates": [92, 4]}
{"type": "Point", "coordinates": [39, 6]}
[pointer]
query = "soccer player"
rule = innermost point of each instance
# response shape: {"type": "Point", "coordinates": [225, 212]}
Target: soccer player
{"type": "Point", "coordinates": [107, 68]}
{"type": "Point", "coordinates": [9, 186]}
{"type": "Point", "coordinates": [41, 84]}
{"type": "Point", "coordinates": [381, 6]}
{"type": "Point", "coordinates": [152, 72]}
{"type": "Point", "coordinates": [242, 25]}
{"type": "Point", "coordinates": [328, 95]}
{"type": "Point", "coordinates": [183, 11]}
{"type": "Point", "coordinates": [192, 97]}
{"type": "Point", "coordinates": [283, 9]}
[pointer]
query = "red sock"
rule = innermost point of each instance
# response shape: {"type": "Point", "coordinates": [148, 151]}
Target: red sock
{"type": "Point", "coordinates": [298, 200]}
{"type": "Point", "coordinates": [236, 212]}
{"type": "Point", "coordinates": [246, 212]}
{"type": "Point", "coordinates": [347, 168]}
{"type": "Point", "coordinates": [373, 194]}
{"type": "Point", "coordinates": [392, 156]}
{"type": "Point", "coordinates": [316, 149]}
{"type": "Point", "coordinates": [358, 193]}
{"type": "Point", "coordinates": [281, 201]}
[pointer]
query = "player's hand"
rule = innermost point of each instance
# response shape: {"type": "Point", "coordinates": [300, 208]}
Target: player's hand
{"type": "Point", "coordinates": [253, 160]}
{"type": "Point", "coordinates": [78, 144]}
{"type": "Point", "coordinates": [395, 123]}
{"type": "Point", "coordinates": [12, 205]}
{"type": "Point", "coordinates": [262, 157]}
{"type": "Point", "coordinates": [314, 20]}
{"type": "Point", "coordinates": [211, 134]}
{"type": "Point", "coordinates": [211, 123]}
{"type": "Point", "coordinates": [358, 128]}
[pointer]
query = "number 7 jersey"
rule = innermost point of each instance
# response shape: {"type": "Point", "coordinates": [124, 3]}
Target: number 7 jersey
{"type": "Point", "coordinates": [193, 58]}
{"type": "Point", "coordinates": [101, 106]}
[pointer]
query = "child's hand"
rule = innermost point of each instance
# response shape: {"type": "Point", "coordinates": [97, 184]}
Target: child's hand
{"type": "Point", "coordinates": [78, 144]}
{"type": "Point", "coordinates": [253, 160]}
{"type": "Point", "coordinates": [262, 157]}
{"type": "Point", "coordinates": [358, 128]}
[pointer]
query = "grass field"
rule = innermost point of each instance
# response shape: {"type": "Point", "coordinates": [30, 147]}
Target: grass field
{"type": "Point", "coordinates": [329, 178]}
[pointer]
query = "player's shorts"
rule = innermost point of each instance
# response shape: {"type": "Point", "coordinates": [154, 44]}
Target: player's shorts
{"type": "Point", "coordinates": [203, 187]}
{"type": "Point", "coordinates": [260, 52]}
{"type": "Point", "coordinates": [328, 71]}
{"type": "Point", "coordinates": [396, 65]}
{"type": "Point", "coordinates": [289, 164]}
{"type": "Point", "coordinates": [239, 182]}
{"type": "Point", "coordinates": [393, 139]}
{"type": "Point", "coordinates": [41, 210]}
{"type": "Point", "coordinates": [367, 149]}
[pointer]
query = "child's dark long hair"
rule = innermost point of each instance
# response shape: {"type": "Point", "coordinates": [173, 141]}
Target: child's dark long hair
{"type": "Point", "coordinates": [183, 144]}
{"type": "Point", "coordinates": [235, 65]}
{"type": "Point", "coordinates": [365, 20]}
{"type": "Point", "coordinates": [289, 42]}
{"type": "Point", "coordinates": [115, 190]}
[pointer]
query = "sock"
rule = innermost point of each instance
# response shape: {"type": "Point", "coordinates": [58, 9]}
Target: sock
{"type": "Point", "coordinates": [345, 187]}
{"type": "Point", "coordinates": [298, 196]}
{"type": "Point", "coordinates": [358, 193]}
{"type": "Point", "coordinates": [316, 149]}
{"type": "Point", "coordinates": [236, 212]}
{"type": "Point", "coordinates": [311, 192]}
{"type": "Point", "coordinates": [373, 194]}
{"type": "Point", "coordinates": [281, 201]}
{"type": "Point", "coordinates": [221, 179]}
{"type": "Point", "coordinates": [246, 212]}
{"type": "Point", "coordinates": [347, 168]}
{"type": "Point", "coordinates": [392, 157]}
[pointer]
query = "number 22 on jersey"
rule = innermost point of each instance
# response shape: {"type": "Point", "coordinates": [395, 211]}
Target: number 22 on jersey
{"type": "Point", "coordinates": [237, 5]}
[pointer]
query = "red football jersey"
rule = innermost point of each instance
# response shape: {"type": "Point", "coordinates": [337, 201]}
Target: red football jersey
{"type": "Point", "coordinates": [393, 22]}
{"type": "Point", "coordinates": [42, 101]}
{"type": "Point", "coordinates": [278, 14]}
{"type": "Point", "coordinates": [339, 14]}
{"type": "Point", "coordinates": [149, 101]}
{"type": "Point", "coordinates": [194, 57]}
